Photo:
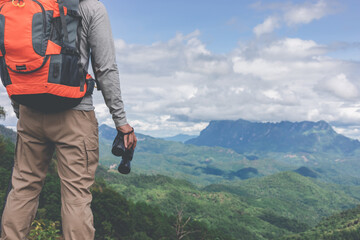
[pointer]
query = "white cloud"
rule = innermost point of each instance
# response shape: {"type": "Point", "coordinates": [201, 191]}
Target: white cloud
{"type": "Point", "coordinates": [268, 26]}
{"type": "Point", "coordinates": [262, 81]}
{"type": "Point", "coordinates": [306, 13]}
{"type": "Point", "coordinates": [353, 131]}
{"type": "Point", "coordinates": [341, 87]}
{"type": "Point", "coordinates": [293, 48]}
{"type": "Point", "coordinates": [179, 85]}
{"type": "Point", "coordinates": [163, 125]}
{"type": "Point", "coordinates": [293, 14]}
{"type": "Point", "coordinates": [272, 94]}
{"type": "Point", "coordinates": [267, 70]}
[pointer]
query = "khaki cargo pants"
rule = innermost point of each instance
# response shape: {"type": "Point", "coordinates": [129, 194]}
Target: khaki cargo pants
{"type": "Point", "coordinates": [74, 136]}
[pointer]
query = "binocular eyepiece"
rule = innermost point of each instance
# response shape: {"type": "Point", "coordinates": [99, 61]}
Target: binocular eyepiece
{"type": "Point", "coordinates": [119, 150]}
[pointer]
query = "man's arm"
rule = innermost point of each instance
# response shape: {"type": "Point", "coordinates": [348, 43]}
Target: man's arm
{"type": "Point", "coordinates": [103, 57]}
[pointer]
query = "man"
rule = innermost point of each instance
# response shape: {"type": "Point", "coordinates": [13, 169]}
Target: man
{"type": "Point", "coordinates": [73, 134]}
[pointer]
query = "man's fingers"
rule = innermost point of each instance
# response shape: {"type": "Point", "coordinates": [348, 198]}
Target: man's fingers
{"type": "Point", "coordinates": [131, 141]}
{"type": "Point", "coordinates": [135, 141]}
{"type": "Point", "coordinates": [126, 140]}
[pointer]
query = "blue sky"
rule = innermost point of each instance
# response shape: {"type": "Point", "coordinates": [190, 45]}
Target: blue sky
{"type": "Point", "coordinates": [185, 63]}
{"type": "Point", "coordinates": [146, 22]}
{"type": "Point", "coordinates": [223, 23]}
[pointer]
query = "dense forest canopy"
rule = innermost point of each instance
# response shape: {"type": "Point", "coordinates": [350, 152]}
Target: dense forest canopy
{"type": "Point", "coordinates": [142, 207]}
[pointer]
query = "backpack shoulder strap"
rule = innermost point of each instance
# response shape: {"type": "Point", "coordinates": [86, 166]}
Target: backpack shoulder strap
{"type": "Point", "coordinates": [71, 4]}
{"type": "Point", "coordinates": [63, 21]}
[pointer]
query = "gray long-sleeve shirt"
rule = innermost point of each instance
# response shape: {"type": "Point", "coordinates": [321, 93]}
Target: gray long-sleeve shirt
{"type": "Point", "coordinates": [97, 41]}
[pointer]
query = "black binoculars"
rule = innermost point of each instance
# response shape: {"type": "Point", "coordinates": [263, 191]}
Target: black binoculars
{"type": "Point", "coordinates": [119, 150]}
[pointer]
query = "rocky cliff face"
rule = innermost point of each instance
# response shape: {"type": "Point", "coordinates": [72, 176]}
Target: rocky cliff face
{"type": "Point", "coordinates": [245, 136]}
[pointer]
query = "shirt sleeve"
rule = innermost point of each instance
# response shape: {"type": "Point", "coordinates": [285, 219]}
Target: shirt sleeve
{"type": "Point", "coordinates": [103, 59]}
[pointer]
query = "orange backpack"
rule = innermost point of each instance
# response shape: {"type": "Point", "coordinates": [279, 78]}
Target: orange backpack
{"type": "Point", "coordinates": [39, 54]}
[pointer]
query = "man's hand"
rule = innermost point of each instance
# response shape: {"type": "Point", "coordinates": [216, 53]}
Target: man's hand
{"type": "Point", "coordinates": [130, 140]}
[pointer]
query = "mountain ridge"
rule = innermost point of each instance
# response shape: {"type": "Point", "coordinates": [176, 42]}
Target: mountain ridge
{"type": "Point", "coordinates": [213, 164]}
{"type": "Point", "coordinates": [245, 136]}
{"type": "Point", "coordinates": [180, 138]}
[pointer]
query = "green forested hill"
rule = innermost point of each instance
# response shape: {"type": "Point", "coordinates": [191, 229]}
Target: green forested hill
{"type": "Point", "coordinates": [8, 133]}
{"type": "Point", "coordinates": [294, 196]}
{"type": "Point", "coordinates": [264, 208]}
{"type": "Point", "coordinates": [115, 217]}
{"type": "Point", "coordinates": [6, 164]}
{"type": "Point", "coordinates": [229, 213]}
{"type": "Point", "coordinates": [342, 226]}
{"type": "Point", "coordinates": [138, 206]}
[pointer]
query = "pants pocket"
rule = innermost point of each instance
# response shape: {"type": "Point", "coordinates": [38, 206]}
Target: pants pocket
{"type": "Point", "coordinates": [92, 154]}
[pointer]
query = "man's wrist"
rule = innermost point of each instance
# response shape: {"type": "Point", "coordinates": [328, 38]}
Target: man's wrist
{"type": "Point", "coordinates": [120, 122]}
{"type": "Point", "coordinates": [125, 128]}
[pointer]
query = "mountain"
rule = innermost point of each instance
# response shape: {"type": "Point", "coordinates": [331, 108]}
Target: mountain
{"type": "Point", "coordinates": [8, 133]}
{"type": "Point", "coordinates": [198, 164]}
{"type": "Point", "coordinates": [287, 137]}
{"type": "Point", "coordinates": [109, 134]}
{"type": "Point", "coordinates": [207, 165]}
{"type": "Point", "coordinates": [180, 138]}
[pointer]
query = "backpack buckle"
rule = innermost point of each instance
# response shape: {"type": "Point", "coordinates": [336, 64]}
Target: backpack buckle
{"type": "Point", "coordinates": [18, 3]}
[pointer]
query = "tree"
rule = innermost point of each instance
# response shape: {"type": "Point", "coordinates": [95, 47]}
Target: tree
{"type": "Point", "coordinates": [2, 113]}
{"type": "Point", "coordinates": [180, 225]}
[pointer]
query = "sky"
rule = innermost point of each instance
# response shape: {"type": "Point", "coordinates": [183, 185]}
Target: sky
{"type": "Point", "coordinates": [185, 63]}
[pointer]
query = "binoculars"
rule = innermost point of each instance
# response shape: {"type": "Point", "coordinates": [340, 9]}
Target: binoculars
{"type": "Point", "coordinates": [119, 150]}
